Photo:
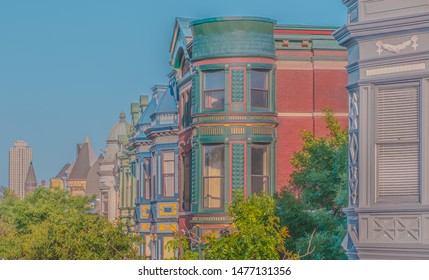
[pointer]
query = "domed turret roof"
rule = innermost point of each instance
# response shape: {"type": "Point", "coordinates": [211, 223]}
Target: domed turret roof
{"type": "Point", "coordinates": [121, 128]}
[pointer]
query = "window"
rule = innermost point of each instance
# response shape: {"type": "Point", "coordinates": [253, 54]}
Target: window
{"type": "Point", "coordinates": [260, 168]}
{"type": "Point", "coordinates": [186, 182]}
{"type": "Point", "coordinates": [397, 144]}
{"type": "Point", "coordinates": [185, 67]}
{"type": "Point", "coordinates": [188, 108]}
{"type": "Point", "coordinates": [214, 90]}
{"type": "Point", "coordinates": [147, 246]}
{"type": "Point", "coordinates": [146, 178]}
{"type": "Point", "coordinates": [166, 253]}
{"type": "Point", "coordinates": [259, 89]}
{"type": "Point", "coordinates": [168, 174]}
{"type": "Point", "coordinates": [213, 176]}
{"type": "Point", "coordinates": [105, 204]}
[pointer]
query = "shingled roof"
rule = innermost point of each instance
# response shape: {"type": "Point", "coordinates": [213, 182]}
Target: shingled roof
{"type": "Point", "coordinates": [30, 181]}
{"type": "Point", "coordinates": [84, 161]}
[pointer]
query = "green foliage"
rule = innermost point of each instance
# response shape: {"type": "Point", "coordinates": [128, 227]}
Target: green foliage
{"type": "Point", "coordinates": [317, 194]}
{"type": "Point", "coordinates": [54, 225]}
{"type": "Point", "coordinates": [181, 244]}
{"type": "Point", "coordinates": [255, 234]}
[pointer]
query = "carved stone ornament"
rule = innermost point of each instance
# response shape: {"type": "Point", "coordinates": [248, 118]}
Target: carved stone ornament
{"type": "Point", "coordinates": [397, 48]}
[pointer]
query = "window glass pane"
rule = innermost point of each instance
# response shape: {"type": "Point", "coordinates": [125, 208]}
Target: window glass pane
{"type": "Point", "coordinates": [260, 168]}
{"type": "Point", "coordinates": [213, 176]}
{"type": "Point", "coordinates": [168, 174]}
{"type": "Point", "coordinates": [259, 79]}
{"type": "Point", "coordinates": [105, 204]}
{"type": "Point", "coordinates": [214, 160]}
{"type": "Point", "coordinates": [259, 89]}
{"type": "Point", "coordinates": [214, 80]}
{"type": "Point", "coordinates": [187, 183]}
{"type": "Point", "coordinates": [146, 178]}
{"type": "Point", "coordinates": [168, 183]}
{"type": "Point", "coordinates": [214, 89]}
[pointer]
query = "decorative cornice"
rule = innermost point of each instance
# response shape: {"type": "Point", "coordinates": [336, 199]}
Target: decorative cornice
{"type": "Point", "coordinates": [368, 30]}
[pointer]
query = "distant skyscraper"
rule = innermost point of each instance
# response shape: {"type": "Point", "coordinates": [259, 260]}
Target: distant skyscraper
{"type": "Point", "coordinates": [20, 156]}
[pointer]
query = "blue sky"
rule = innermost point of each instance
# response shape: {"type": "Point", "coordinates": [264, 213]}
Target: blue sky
{"type": "Point", "coordinates": [68, 68]}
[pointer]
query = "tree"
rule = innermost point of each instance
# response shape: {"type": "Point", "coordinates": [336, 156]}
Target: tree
{"type": "Point", "coordinates": [55, 225]}
{"type": "Point", "coordinates": [317, 193]}
{"type": "Point", "coordinates": [255, 233]}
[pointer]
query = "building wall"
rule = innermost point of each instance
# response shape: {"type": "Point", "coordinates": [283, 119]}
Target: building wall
{"type": "Point", "coordinates": [388, 87]}
{"type": "Point", "coordinates": [304, 72]}
{"type": "Point", "coordinates": [310, 78]}
{"type": "Point", "coordinates": [20, 156]}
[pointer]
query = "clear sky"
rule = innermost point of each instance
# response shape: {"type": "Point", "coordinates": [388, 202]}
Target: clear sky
{"type": "Point", "coordinates": [68, 68]}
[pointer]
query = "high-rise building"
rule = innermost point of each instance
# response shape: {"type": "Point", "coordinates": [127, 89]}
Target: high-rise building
{"type": "Point", "coordinates": [20, 156]}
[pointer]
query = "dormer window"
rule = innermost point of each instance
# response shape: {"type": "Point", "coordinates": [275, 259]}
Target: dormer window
{"type": "Point", "coordinates": [214, 90]}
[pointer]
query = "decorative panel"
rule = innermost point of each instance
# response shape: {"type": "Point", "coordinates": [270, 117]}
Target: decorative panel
{"type": "Point", "coordinates": [404, 229]}
{"type": "Point", "coordinates": [353, 147]}
{"type": "Point", "coordinates": [145, 227]}
{"type": "Point", "coordinates": [237, 130]}
{"type": "Point", "coordinates": [166, 227]}
{"type": "Point", "coordinates": [237, 88]}
{"type": "Point", "coordinates": [238, 165]}
{"type": "Point", "coordinates": [167, 209]}
{"type": "Point", "coordinates": [262, 130]}
{"type": "Point", "coordinates": [145, 211]}
{"type": "Point", "coordinates": [211, 131]}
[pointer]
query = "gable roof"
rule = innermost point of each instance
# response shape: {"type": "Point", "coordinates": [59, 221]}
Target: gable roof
{"type": "Point", "coordinates": [92, 180]}
{"type": "Point", "coordinates": [84, 161]}
{"type": "Point", "coordinates": [62, 173]}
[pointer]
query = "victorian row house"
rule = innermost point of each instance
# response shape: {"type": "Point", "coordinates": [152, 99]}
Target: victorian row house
{"type": "Point", "coordinates": [239, 94]}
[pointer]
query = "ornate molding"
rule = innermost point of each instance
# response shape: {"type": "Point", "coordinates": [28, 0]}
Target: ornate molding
{"type": "Point", "coordinates": [397, 48]}
{"type": "Point", "coordinates": [353, 148]}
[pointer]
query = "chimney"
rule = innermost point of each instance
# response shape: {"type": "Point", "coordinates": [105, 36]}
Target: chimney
{"type": "Point", "coordinates": [135, 112]}
{"type": "Point", "coordinates": [144, 100]}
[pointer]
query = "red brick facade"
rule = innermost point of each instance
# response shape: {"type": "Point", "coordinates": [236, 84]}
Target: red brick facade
{"type": "Point", "coordinates": [305, 88]}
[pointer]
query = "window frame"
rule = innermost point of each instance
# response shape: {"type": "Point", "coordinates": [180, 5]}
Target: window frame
{"type": "Point", "coordinates": [205, 177]}
{"type": "Point", "coordinates": [147, 179]}
{"type": "Point", "coordinates": [165, 175]}
{"type": "Point", "coordinates": [264, 189]}
{"type": "Point", "coordinates": [377, 143]}
{"type": "Point", "coordinates": [204, 90]}
{"type": "Point", "coordinates": [265, 90]}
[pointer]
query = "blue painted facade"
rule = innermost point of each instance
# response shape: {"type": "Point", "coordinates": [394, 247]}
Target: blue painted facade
{"type": "Point", "coordinates": [155, 142]}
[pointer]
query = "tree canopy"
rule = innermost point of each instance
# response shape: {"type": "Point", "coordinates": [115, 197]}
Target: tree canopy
{"type": "Point", "coordinates": [54, 225]}
{"type": "Point", "coordinates": [317, 193]}
{"type": "Point", "coordinates": [255, 233]}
